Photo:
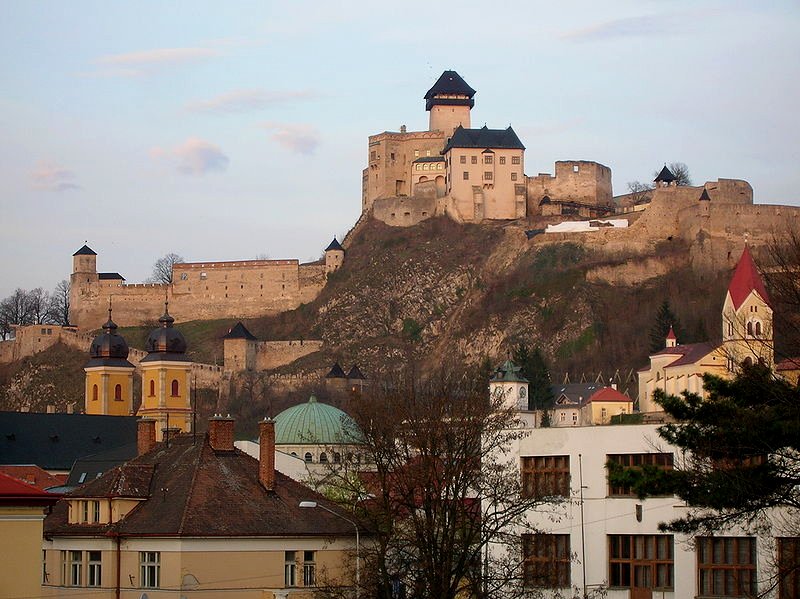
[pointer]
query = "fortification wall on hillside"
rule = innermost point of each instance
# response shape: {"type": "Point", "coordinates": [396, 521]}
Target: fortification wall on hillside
{"type": "Point", "coordinates": [32, 339]}
{"type": "Point", "coordinates": [581, 181]}
{"type": "Point", "coordinates": [271, 354]}
{"type": "Point", "coordinates": [404, 211]}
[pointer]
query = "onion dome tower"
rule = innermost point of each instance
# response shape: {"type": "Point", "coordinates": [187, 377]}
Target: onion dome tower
{"type": "Point", "coordinates": [166, 381]}
{"type": "Point", "coordinates": [109, 375]}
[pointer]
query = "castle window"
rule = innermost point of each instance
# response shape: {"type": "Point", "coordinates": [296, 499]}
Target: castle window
{"type": "Point", "coordinates": [118, 393]}
{"type": "Point", "coordinates": [474, 160]}
{"type": "Point", "coordinates": [416, 153]}
{"type": "Point", "coordinates": [184, 276]}
{"type": "Point", "coordinates": [515, 160]}
{"type": "Point", "coordinates": [337, 457]}
{"type": "Point", "coordinates": [94, 392]}
{"type": "Point", "coordinates": [575, 168]}
{"type": "Point", "coordinates": [488, 159]}
{"type": "Point", "coordinates": [463, 159]}
{"type": "Point", "coordinates": [203, 276]}
{"type": "Point", "coordinates": [730, 365]}
{"type": "Point", "coordinates": [372, 155]}
{"type": "Point", "coordinates": [487, 175]}
{"type": "Point", "coordinates": [513, 176]}
{"type": "Point", "coordinates": [152, 388]}
{"type": "Point", "coordinates": [308, 458]}
{"type": "Point", "coordinates": [323, 458]}
{"type": "Point", "coordinates": [502, 159]}
{"type": "Point", "coordinates": [391, 155]}
{"type": "Point", "coordinates": [466, 175]}
{"type": "Point", "coordinates": [427, 152]}
{"type": "Point", "coordinates": [758, 329]}
{"type": "Point", "coordinates": [175, 388]}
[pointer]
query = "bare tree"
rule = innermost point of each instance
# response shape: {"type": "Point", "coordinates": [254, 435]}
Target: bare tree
{"type": "Point", "coordinates": [162, 269]}
{"type": "Point", "coordinates": [639, 192]}
{"type": "Point", "coordinates": [439, 490]}
{"type": "Point", "coordinates": [783, 280]}
{"type": "Point", "coordinates": [39, 306]}
{"type": "Point", "coordinates": [58, 308]}
{"type": "Point", "coordinates": [15, 310]}
{"type": "Point", "coordinates": [680, 172]}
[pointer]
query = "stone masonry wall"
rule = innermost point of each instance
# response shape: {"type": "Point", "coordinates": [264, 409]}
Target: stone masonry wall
{"type": "Point", "coordinates": [580, 181]}
{"type": "Point", "coordinates": [271, 354]}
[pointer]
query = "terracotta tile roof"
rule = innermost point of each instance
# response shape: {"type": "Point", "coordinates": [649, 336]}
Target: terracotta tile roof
{"type": "Point", "coordinates": [608, 394]}
{"type": "Point", "coordinates": [190, 490]}
{"type": "Point", "coordinates": [746, 279]}
{"type": "Point", "coordinates": [671, 334]}
{"type": "Point", "coordinates": [693, 352]}
{"type": "Point", "coordinates": [15, 492]}
{"type": "Point", "coordinates": [788, 364]}
{"type": "Point", "coordinates": [33, 475]}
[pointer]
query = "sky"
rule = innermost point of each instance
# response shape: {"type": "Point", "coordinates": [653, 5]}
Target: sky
{"type": "Point", "coordinates": [230, 130]}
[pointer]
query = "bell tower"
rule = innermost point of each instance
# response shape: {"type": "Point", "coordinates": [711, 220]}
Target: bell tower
{"type": "Point", "coordinates": [109, 375]}
{"type": "Point", "coordinates": [510, 385]}
{"type": "Point", "coordinates": [449, 101]}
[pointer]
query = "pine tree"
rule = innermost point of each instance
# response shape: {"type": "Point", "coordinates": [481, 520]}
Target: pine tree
{"type": "Point", "coordinates": [665, 318]}
{"type": "Point", "coordinates": [534, 368]}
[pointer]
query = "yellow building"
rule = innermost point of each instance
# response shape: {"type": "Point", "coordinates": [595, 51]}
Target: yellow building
{"type": "Point", "coordinates": [22, 511]}
{"type": "Point", "coordinates": [196, 517]}
{"type": "Point", "coordinates": [109, 375]}
{"type": "Point", "coordinates": [166, 381]}
{"type": "Point", "coordinates": [746, 339]}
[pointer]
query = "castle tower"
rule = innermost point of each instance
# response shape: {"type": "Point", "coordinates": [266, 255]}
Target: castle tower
{"type": "Point", "coordinates": [109, 375]}
{"type": "Point", "coordinates": [334, 256]}
{"type": "Point", "coordinates": [665, 178]}
{"type": "Point", "coordinates": [508, 383]}
{"type": "Point", "coordinates": [449, 101]}
{"type": "Point", "coordinates": [166, 383]}
{"type": "Point", "coordinates": [239, 349]}
{"type": "Point", "coordinates": [747, 317]}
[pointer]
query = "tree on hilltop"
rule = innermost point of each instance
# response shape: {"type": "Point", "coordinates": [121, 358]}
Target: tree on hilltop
{"type": "Point", "coordinates": [162, 269]}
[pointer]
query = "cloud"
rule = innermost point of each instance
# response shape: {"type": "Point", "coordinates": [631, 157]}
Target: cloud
{"type": "Point", "coordinates": [302, 139]}
{"type": "Point", "coordinates": [134, 64]}
{"type": "Point", "coordinates": [645, 25]}
{"type": "Point", "coordinates": [245, 100]}
{"type": "Point", "coordinates": [193, 157]}
{"type": "Point", "coordinates": [49, 177]}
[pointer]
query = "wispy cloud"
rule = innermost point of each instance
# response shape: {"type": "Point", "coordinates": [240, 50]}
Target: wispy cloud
{"type": "Point", "coordinates": [247, 100]}
{"type": "Point", "coordinates": [50, 177]}
{"type": "Point", "coordinates": [646, 25]}
{"type": "Point", "coordinates": [193, 157]}
{"type": "Point", "coordinates": [134, 64]}
{"type": "Point", "coordinates": [303, 139]}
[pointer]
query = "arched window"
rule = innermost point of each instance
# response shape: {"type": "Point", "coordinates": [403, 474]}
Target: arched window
{"type": "Point", "coordinates": [118, 393]}
{"type": "Point", "coordinates": [758, 329]}
{"type": "Point", "coordinates": [750, 329]}
{"type": "Point", "coordinates": [308, 457]}
{"type": "Point", "coordinates": [323, 458]}
{"type": "Point", "coordinates": [337, 457]}
{"type": "Point", "coordinates": [94, 392]}
{"type": "Point", "coordinates": [294, 454]}
{"type": "Point", "coordinates": [152, 388]}
{"type": "Point", "coordinates": [175, 388]}
{"type": "Point", "coordinates": [748, 362]}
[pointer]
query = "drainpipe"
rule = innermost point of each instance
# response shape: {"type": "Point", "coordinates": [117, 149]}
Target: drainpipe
{"type": "Point", "coordinates": [119, 563]}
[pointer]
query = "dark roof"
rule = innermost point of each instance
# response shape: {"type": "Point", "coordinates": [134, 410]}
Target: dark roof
{"type": "Point", "coordinates": [91, 467]}
{"type": "Point", "coordinates": [429, 159]}
{"type": "Point", "coordinates": [450, 83]}
{"type": "Point", "coordinates": [109, 348]}
{"type": "Point", "coordinates": [355, 373]}
{"type": "Point", "coordinates": [686, 354]}
{"type": "Point", "coordinates": [190, 490]}
{"type": "Point", "coordinates": [109, 276]}
{"type": "Point", "coordinates": [166, 342]}
{"type": "Point", "coordinates": [484, 137]}
{"type": "Point", "coordinates": [85, 251]}
{"type": "Point", "coordinates": [704, 197]}
{"type": "Point", "coordinates": [55, 441]}
{"type": "Point", "coordinates": [239, 331]}
{"type": "Point", "coordinates": [336, 372]}
{"type": "Point", "coordinates": [334, 245]}
{"type": "Point", "coordinates": [665, 176]}
{"type": "Point", "coordinates": [575, 393]}
{"type": "Point", "coordinates": [508, 372]}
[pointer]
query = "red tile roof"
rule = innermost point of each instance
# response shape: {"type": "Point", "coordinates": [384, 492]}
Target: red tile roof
{"type": "Point", "coordinates": [788, 364]}
{"type": "Point", "coordinates": [34, 475]}
{"type": "Point", "coordinates": [15, 492]}
{"type": "Point", "coordinates": [671, 334]}
{"type": "Point", "coordinates": [608, 394]}
{"type": "Point", "coordinates": [693, 352]}
{"type": "Point", "coordinates": [746, 279]}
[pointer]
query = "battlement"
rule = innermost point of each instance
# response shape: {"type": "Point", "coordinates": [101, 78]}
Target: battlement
{"type": "Point", "coordinates": [234, 264]}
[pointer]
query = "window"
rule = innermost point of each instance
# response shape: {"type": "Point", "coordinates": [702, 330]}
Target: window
{"type": "Point", "coordinates": [75, 568]}
{"type": "Point", "coordinates": [152, 388]}
{"type": "Point", "coordinates": [515, 160]}
{"type": "Point", "coordinates": [44, 567]}
{"type": "Point", "coordinates": [546, 560]}
{"type": "Point", "coordinates": [427, 152]}
{"type": "Point", "coordinates": [730, 329]}
{"type": "Point", "coordinates": [308, 457]}
{"type": "Point", "coordinates": [488, 159]}
{"type": "Point", "coordinates": [462, 159]}
{"type": "Point", "coordinates": [174, 388]}
{"type": "Point", "coordinates": [788, 567]}
{"type": "Point", "coordinates": [758, 329]}
{"type": "Point", "coordinates": [487, 175]}
{"type": "Point", "coordinates": [94, 392]}
{"type": "Point", "coordinates": [513, 176]}
{"type": "Point", "coordinates": [391, 156]}
{"type": "Point", "coordinates": [94, 569]}
{"type": "Point", "coordinates": [726, 566]}
{"type": "Point", "coordinates": [323, 458]}
{"type": "Point", "coordinates": [289, 569]}
{"type": "Point", "coordinates": [545, 476]}
{"type": "Point", "coordinates": [95, 511]}
{"type": "Point", "coordinates": [85, 511]}
{"type": "Point", "coordinates": [750, 329]}
{"type": "Point", "coordinates": [466, 175]}
{"type": "Point", "coordinates": [641, 561]}
{"type": "Point", "coordinates": [502, 159]}
{"type": "Point", "coordinates": [309, 569]}
{"type": "Point", "coordinates": [474, 159]}
{"type": "Point", "coordinates": [636, 460]}
{"type": "Point", "coordinates": [118, 393]}
{"type": "Point", "coordinates": [150, 569]}
{"type": "Point", "coordinates": [416, 153]}
{"type": "Point", "coordinates": [372, 155]}
{"type": "Point", "coordinates": [575, 168]}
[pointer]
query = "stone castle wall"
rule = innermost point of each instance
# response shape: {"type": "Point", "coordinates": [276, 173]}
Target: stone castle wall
{"type": "Point", "coordinates": [246, 354]}
{"type": "Point", "coordinates": [580, 181]}
{"type": "Point", "coordinates": [200, 291]}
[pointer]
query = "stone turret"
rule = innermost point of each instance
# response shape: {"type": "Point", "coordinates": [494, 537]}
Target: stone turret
{"type": "Point", "coordinates": [334, 256]}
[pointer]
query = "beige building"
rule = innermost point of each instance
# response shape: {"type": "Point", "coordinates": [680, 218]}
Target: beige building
{"type": "Point", "coordinates": [746, 339]}
{"type": "Point", "coordinates": [194, 517]}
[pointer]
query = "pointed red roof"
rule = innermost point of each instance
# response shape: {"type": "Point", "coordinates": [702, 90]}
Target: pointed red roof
{"type": "Point", "coordinates": [671, 334]}
{"type": "Point", "coordinates": [16, 492]}
{"type": "Point", "coordinates": [746, 279]}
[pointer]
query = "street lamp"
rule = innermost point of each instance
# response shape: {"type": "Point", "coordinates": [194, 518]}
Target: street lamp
{"type": "Point", "coordinates": [313, 504]}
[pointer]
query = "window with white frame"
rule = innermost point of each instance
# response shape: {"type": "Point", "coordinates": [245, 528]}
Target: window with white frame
{"type": "Point", "coordinates": [290, 569]}
{"type": "Point", "coordinates": [149, 569]}
{"type": "Point", "coordinates": [309, 569]}
{"type": "Point", "coordinates": [94, 569]}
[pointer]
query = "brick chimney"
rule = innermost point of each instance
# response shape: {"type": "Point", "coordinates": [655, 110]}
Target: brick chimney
{"type": "Point", "coordinates": [266, 453]}
{"type": "Point", "coordinates": [220, 432]}
{"type": "Point", "coordinates": [145, 435]}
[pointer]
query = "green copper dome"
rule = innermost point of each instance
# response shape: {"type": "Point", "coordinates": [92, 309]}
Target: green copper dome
{"type": "Point", "coordinates": [315, 423]}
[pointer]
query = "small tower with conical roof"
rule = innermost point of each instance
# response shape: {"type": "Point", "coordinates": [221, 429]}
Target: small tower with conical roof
{"type": "Point", "coordinates": [665, 178]}
{"type": "Point", "coordinates": [109, 375]}
{"type": "Point", "coordinates": [334, 256]}
{"type": "Point", "coordinates": [449, 101]}
{"type": "Point", "coordinates": [166, 378]}
{"type": "Point", "coordinates": [508, 383]}
{"type": "Point", "coordinates": [672, 339]}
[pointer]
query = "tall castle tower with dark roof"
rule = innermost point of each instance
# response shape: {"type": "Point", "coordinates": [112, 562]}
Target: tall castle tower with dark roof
{"type": "Point", "coordinates": [449, 102]}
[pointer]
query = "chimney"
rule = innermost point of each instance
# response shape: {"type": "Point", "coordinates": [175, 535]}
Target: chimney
{"type": "Point", "coordinates": [145, 435]}
{"type": "Point", "coordinates": [220, 432]}
{"type": "Point", "coordinates": [266, 453]}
